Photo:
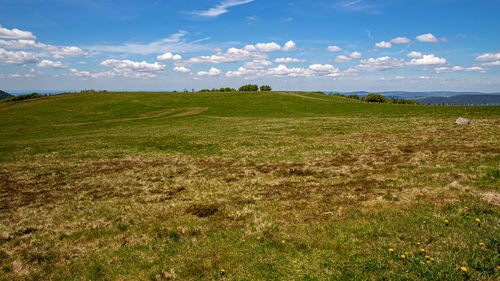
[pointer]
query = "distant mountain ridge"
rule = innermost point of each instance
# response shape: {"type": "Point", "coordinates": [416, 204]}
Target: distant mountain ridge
{"type": "Point", "coordinates": [4, 95]}
{"type": "Point", "coordinates": [414, 95]}
{"type": "Point", "coordinates": [462, 100]}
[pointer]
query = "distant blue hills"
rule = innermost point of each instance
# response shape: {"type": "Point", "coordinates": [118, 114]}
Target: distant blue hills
{"type": "Point", "coordinates": [461, 100]}
{"type": "Point", "coordinates": [439, 97]}
{"type": "Point", "coordinates": [412, 95]}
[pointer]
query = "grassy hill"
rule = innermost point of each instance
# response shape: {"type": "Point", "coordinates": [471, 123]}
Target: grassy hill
{"type": "Point", "coordinates": [246, 186]}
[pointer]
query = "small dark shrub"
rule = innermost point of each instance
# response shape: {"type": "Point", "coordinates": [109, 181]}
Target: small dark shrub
{"type": "Point", "coordinates": [375, 98]}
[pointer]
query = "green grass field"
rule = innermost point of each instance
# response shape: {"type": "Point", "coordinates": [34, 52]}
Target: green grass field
{"type": "Point", "coordinates": [246, 186]}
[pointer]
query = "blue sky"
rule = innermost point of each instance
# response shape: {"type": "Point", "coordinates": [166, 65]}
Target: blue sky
{"type": "Point", "coordinates": [372, 45]}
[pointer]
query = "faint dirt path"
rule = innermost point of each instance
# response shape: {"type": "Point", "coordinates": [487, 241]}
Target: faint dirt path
{"type": "Point", "coordinates": [301, 96]}
{"type": "Point", "coordinates": [339, 100]}
{"type": "Point", "coordinates": [155, 114]}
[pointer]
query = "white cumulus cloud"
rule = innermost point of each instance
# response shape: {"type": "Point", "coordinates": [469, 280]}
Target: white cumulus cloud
{"type": "Point", "coordinates": [212, 72]}
{"type": "Point", "coordinates": [383, 44]}
{"type": "Point", "coordinates": [288, 60]}
{"type": "Point", "coordinates": [458, 68]}
{"type": "Point", "coordinates": [323, 67]}
{"type": "Point", "coordinates": [169, 56]}
{"type": "Point", "coordinates": [324, 70]}
{"type": "Point", "coordinates": [52, 64]}
{"type": "Point", "coordinates": [267, 47]}
{"type": "Point", "coordinates": [356, 55]}
{"type": "Point", "coordinates": [341, 59]}
{"type": "Point", "coordinates": [333, 49]}
{"type": "Point", "coordinates": [243, 71]}
{"type": "Point", "coordinates": [400, 40]}
{"type": "Point", "coordinates": [289, 46]}
{"type": "Point", "coordinates": [77, 73]}
{"type": "Point", "coordinates": [427, 60]}
{"type": "Point", "coordinates": [17, 58]}
{"type": "Point", "coordinates": [414, 54]}
{"type": "Point", "coordinates": [378, 64]}
{"type": "Point", "coordinates": [55, 51]}
{"type": "Point", "coordinates": [66, 51]}
{"type": "Point", "coordinates": [181, 69]}
{"type": "Point", "coordinates": [133, 66]}
{"type": "Point", "coordinates": [250, 52]}
{"type": "Point", "coordinates": [15, 34]}
{"type": "Point", "coordinates": [492, 63]}
{"type": "Point", "coordinates": [257, 64]}
{"type": "Point", "coordinates": [428, 37]}
{"type": "Point", "coordinates": [488, 57]}
{"type": "Point", "coordinates": [21, 44]}
{"type": "Point", "coordinates": [282, 71]}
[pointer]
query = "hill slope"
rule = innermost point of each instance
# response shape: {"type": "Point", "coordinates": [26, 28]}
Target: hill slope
{"type": "Point", "coordinates": [266, 186]}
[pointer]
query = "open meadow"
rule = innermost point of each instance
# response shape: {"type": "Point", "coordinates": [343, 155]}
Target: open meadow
{"type": "Point", "coordinates": [247, 186]}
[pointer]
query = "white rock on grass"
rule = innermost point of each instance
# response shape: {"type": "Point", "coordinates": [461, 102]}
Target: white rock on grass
{"type": "Point", "coordinates": [462, 121]}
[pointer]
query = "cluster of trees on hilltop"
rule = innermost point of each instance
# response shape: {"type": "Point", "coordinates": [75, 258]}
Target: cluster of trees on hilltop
{"type": "Point", "coordinates": [265, 88]}
{"type": "Point", "coordinates": [254, 88]}
{"type": "Point", "coordinates": [244, 88]}
{"type": "Point", "coordinates": [218, 90]}
{"type": "Point", "coordinates": [91, 91]}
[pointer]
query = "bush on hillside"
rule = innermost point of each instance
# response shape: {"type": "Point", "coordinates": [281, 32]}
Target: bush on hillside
{"type": "Point", "coordinates": [375, 98]}
{"type": "Point", "coordinates": [354, 97]}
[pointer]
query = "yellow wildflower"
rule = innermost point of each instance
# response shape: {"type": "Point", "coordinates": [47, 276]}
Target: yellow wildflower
{"type": "Point", "coordinates": [427, 257]}
{"type": "Point", "coordinates": [466, 207]}
{"type": "Point", "coordinates": [464, 269]}
{"type": "Point", "coordinates": [422, 250]}
{"type": "Point", "coordinates": [425, 222]}
{"type": "Point", "coordinates": [432, 259]}
{"type": "Point", "coordinates": [418, 243]}
{"type": "Point", "coordinates": [391, 250]}
{"type": "Point", "coordinates": [478, 220]}
{"type": "Point", "coordinates": [481, 244]}
{"type": "Point", "coordinates": [446, 221]}
{"type": "Point", "coordinates": [403, 256]}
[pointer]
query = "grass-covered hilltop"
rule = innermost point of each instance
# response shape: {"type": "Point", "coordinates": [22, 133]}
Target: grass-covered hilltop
{"type": "Point", "coordinates": [247, 186]}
